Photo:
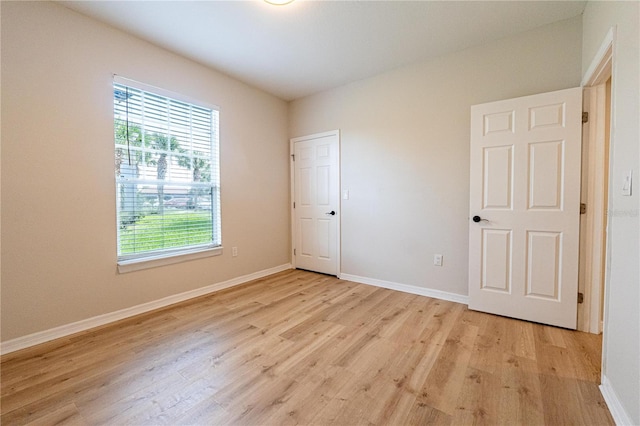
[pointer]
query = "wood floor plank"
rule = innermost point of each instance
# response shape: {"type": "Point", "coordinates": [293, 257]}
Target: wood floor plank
{"type": "Point", "coordinates": [67, 415]}
{"type": "Point", "coordinates": [593, 405]}
{"type": "Point", "coordinates": [520, 395]}
{"type": "Point", "coordinates": [311, 397]}
{"type": "Point", "coordinates": [207, 412]}
{"type": "Point", "coordinates": [447, 375]}
{"type": "Point", "coordinates": [303, 348]}
{"type": "Point", "coordinates": [422, 414]}
{"type": "Point", "coordinates": [478, 402]}
{"type": "Point", "coordinates": [585, 351]}
{"type": "Point", "coordinates": [34, 369]}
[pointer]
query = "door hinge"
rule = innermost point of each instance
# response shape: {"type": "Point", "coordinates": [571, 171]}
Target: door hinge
{"type": "Point", "coordinates": [293, 157]}
{"type": "Point", "coordinates": [294, 204]}
{"type": "Point", "coordinates": [583, 208]}
{"type": "Point", "coordinates": [580, 298]}
{"type": "Point", "coordinates": [585, 117]}
{"type": "Point", "coordinates": [294, 252]}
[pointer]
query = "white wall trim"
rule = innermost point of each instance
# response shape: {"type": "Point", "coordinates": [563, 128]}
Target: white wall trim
{"type": "Point", "coordinates": [602, 61]}
{"type": "Point", "coordinates": [420, 291]}
{"type": "Point", "coordinates": [82, 325]}
{"type": "Point", "coordinates": [620, 416]}
{"type": "Point", "coordinates": [138, 264]}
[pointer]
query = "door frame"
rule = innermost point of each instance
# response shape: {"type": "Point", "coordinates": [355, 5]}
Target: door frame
{"type": "Point", "coordinates": [292, 184]}
{"type": "Point", "coordinates": [594, 250]}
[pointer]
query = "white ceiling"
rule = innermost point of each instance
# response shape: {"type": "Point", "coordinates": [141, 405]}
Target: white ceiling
{"type": "Point", "coordinates": [309, 46]}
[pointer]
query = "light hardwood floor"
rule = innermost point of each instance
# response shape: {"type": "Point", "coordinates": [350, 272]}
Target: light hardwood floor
{"type": "Point", "coordinates": [304, 348]}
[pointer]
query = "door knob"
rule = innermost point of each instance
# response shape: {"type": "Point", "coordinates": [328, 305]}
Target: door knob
{"type": "Point", "coordinates": [332, 213]}
{"type": "Point", "coordinates": [477, 219]}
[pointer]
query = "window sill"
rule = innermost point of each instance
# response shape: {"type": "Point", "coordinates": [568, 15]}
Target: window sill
{"type": "Point", "coordinates": [132, 265]}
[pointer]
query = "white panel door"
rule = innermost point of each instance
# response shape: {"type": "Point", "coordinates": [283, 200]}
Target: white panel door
{"type": "Point", "coordinates": [525, 207]}
{"type": "Point", "coordinates": [316, 194]}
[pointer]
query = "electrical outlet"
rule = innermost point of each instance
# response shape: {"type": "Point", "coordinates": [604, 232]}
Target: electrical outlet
{"type": "Point", "coordinates": [234, 251]}
{"type": "Point", "coordinates": [437, 259]}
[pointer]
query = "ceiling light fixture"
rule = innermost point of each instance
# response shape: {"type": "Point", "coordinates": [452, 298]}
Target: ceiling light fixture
{"type": "Point", "coordinates": [278, 2]}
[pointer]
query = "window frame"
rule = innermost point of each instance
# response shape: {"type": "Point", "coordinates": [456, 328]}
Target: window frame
{"type": "Point", "coordinates": [161, 257]}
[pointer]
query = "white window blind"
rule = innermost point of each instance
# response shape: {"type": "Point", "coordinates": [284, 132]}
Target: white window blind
{"type": "Point", "coordinates": [166, 172]}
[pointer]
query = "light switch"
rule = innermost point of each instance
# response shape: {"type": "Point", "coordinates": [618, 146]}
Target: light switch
{"type": "Point", "coordinates": [626, 184]}
{"type": "Point", "coordinates": [345, 194]}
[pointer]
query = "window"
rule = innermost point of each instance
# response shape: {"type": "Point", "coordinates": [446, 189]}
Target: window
{"type": "Point", "coordinates": [166, 172]}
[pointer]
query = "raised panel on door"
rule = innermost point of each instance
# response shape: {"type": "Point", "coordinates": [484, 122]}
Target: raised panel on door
{"type": "Point", "coordinates": [545, 116]}
{"type": "Point", "coordinates": [305, 186]}
{"type": "Point", "coordinates": [305, 153]}
{"type": "Point", "coordinates": [307, 236]}
{"type": "Point", "coordinates": [497, 179]}
{"type": "Point", "coordinates": [323, 185]}
{"type": "Point", "coordinates": [324, 238]}
{"type": "Point", "coordinates": [496, 260]}
{"type": "Point", "coordinates": [323, 152]}
{"type": "Point", "coordinates": [543, 265]}
{"type": "Point", "coordinates": [498, 122]}
{"type": "Point", "coordinates": [546, 161]}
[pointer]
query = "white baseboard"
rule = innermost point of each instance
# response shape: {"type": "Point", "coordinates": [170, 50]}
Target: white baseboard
{"type": "Point", "coordinates": [421, 291]}
{"type": "Point", "coordinates": [75, 327]}
{"type": "Point", "coordinates": [619, 414]}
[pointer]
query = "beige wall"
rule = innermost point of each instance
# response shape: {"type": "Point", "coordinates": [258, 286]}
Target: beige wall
{"type": "Point", "coordinates": [405, 150]}
{"type": "Point", "coordinates": [58, 191]}
{"type": "Point", "coordinates": [622, 303]}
